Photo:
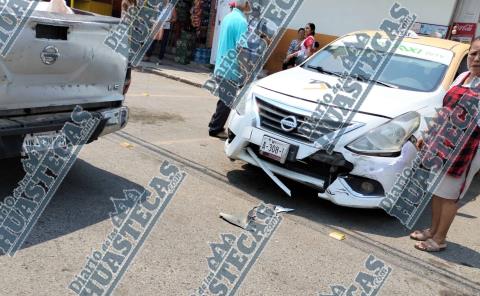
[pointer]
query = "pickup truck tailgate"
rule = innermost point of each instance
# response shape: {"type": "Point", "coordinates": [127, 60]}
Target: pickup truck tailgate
{"type": "Point", "coordinates": [61, 60]}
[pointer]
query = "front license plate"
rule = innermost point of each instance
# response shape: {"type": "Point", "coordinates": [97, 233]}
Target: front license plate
{"type": "Point", "coordinates": [274, 149]}
{"type": "Point", "coordinates": [42, 141]}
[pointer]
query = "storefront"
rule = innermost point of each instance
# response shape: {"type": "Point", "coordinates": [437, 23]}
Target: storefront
{"type": "Point", "coordinates": [192, 33]}
{"type": "Point", "coordinates": [463, 27]}
{"type": "Point", "coordinates": [194, 36]}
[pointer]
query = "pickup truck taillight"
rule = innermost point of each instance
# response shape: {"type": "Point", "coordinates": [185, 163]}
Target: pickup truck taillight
{"type": "Point", "coordinates": [128, 79]}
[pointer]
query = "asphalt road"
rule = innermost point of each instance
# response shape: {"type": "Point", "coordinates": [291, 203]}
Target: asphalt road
{"type": "Point", "coordinates": [168, 122]}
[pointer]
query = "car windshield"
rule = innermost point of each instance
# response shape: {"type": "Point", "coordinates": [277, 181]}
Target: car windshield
{"type": "Point", "coordinates": [408, 71]}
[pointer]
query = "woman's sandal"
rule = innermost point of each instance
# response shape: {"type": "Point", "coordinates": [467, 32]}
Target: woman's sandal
{"type": "Point", "coordinates": [421, 235]}
{"type": "Point", "coordinates": [430, 246]}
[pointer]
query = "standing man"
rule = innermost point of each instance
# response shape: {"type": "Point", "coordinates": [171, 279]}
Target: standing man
{"type": "Point", "coordinates": [233, 26]}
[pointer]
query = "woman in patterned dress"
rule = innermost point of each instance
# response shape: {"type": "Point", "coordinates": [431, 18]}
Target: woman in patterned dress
{"type": "Point", "coordinates": [464, 167]}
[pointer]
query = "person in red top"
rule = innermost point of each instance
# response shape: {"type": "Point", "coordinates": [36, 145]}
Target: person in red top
{"type": "Point", "coordinates": [464, 167]}
{"type": "Point", "coordinates": [306, 47]}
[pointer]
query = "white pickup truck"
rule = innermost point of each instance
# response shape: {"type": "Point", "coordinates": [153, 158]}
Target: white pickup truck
{"type": "Point", "coordinates": [57, 62]}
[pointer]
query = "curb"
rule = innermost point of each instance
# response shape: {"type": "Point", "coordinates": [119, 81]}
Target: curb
{"type": "Point", "coordinates": [173, 77]}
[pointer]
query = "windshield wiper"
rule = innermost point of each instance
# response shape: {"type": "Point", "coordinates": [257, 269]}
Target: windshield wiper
{"type": "Point", "coordinates": [365, 79]}
{"type": "Point", "coordinates": [358, 77]}
{"type": "Point", "coordinates": [322, 70]}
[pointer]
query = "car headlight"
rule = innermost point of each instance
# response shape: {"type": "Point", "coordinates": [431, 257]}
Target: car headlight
{"type": "Point", "coordinates": [243, 103]}
{"type": "Point", "coordinates": [387, 139]}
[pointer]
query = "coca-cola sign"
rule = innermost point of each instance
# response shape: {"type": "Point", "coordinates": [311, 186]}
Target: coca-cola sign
{"type": "Point", "coordinates": [464, 29]}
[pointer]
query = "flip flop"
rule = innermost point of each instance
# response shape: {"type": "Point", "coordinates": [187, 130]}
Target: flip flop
{"type": "Point", "coordinates": [421, 235]}
{"type": "Point", "coordinates": [430, 246]}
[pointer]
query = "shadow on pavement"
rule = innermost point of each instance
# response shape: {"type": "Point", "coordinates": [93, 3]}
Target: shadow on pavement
{"type": "Point", "coordinates": [459, 254]}
{"type": "Point", "coordinates": [373, 221]}
{"type": "Point", "coordinates": [11, 172]}
{"type": "Point", "coordinates": [306, 204]}
{"type": "Point", "coordinates": [83, 199]}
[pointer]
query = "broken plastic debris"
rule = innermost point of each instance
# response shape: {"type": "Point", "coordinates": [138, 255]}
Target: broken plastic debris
{"type": "Point", "coordinates": [337, 235]}
{"type": "Point", "coordinates": [146, 94]}
{"type": "Point", "coordinates": [235, 220]}
{"type": "Point", "coordinates": [126, 145]}
{"type": "Point", "coordinates": [243, 220]}
{"type": "Point", "coordinates": [269, 172]}
{"type": "Point", "coordinates": [280, 209]}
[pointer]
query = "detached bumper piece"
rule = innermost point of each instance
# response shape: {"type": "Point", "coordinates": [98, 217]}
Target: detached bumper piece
{"type": "Point", "coordinates": [269, 172]}
{"type": "Point", "coordinates": [320, 165]}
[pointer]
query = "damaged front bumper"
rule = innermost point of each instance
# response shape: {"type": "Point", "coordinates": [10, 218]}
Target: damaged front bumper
{"type": "Point", "coordinates": [346, 179]}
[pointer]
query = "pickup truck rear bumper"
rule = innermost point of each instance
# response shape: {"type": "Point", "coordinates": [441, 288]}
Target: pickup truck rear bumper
{"type": "Point", "coordinates": [14, 129]}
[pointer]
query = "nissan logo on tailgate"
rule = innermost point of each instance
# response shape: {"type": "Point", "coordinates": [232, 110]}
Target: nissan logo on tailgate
{"type": "Point", "coordinates": [49, 55]}
{"type": "Point", "coordinates": [289, 123]}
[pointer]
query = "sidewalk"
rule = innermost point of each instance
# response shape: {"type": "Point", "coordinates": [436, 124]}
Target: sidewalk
{"type": "Point", "coordinates": [193, 74]}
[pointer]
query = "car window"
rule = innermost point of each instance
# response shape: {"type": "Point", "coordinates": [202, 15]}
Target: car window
{"type": "Point", "coordinates": [405, 72]}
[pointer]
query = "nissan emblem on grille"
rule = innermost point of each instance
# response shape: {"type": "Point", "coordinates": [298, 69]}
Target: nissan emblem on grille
{"type": "Point", "coordinates": [49, 55]}
{"type": "Point", "coordinates": [289, 123]}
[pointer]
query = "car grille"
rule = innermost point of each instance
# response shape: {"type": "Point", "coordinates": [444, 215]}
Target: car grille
{"type": "Point", "coordinates": [271, 116]}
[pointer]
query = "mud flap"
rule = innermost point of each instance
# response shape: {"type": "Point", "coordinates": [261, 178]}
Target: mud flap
{"type": "Point", "coordinates": [269, 172]}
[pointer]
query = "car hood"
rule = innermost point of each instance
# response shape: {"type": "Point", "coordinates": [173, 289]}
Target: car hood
{"type": "Point", "coordinates": [381, 101]}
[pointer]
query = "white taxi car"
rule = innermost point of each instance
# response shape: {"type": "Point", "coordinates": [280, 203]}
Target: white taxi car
{"type": "Point", "coordinates": [263, 129]}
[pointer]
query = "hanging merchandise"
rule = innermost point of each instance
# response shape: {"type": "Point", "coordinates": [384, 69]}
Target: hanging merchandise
{"type": "Point", "coordinates": [183, 14]}
{"type": "Point", "coordinates": [196, 14]}
{"type": "Point", "coordinates": [182, 45]}
{"type": "Point", "coordinates": [200, 16]}
{"type": "Point", "coordinates": [190, 35]}
{"type": "Point", "coordinates": [200, 19]}
{"type": "Point", "coordinates": [184, 48]}
{"type": "Point", "coordinates": [183, 18]}
{"type": "Point", "coordinates": [206, 7]}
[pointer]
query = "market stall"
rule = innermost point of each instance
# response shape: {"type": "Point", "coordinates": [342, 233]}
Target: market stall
{"type": "Point", "coordinates": [192, 36]}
